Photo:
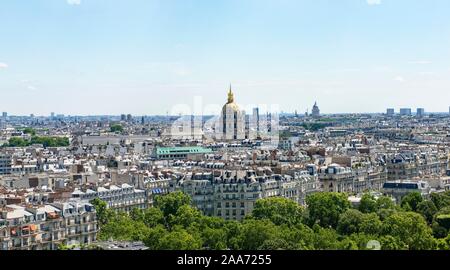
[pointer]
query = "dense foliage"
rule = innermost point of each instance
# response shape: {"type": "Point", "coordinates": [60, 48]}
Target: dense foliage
{"type": "Point", "coordinates": [328, 223]}
{"type": "Point", "coordinates": [45, 141]}
{"type": "Point", "coordinates": [116, 128]}
{"type": "Point", "coordinates": [315, 126]}
{"type": "Point", "coordinates": [29, 131]}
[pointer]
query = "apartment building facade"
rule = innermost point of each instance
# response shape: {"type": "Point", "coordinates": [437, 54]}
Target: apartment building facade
{"type": "Point", "coordinates": [336, 178]}
{"type": "Point", "coordinates": [233, 196]}
{"type": "Point", "coordinates": [120, 198]}
{"type": "Point", "coordinates": [5, 163]}
{"type": "Point", "coordinates": [45, 227]}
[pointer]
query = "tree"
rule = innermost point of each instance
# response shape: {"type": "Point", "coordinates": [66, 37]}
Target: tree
{"type": "Point", "coordinates": [444, 244]}
{"type": "Point", "coordinates": [385, 213]}
{"type": "Point", "coordinates": [211, 222]}
{"type": "Point", "coordinates": [278, 210]}
{"type": "Point", "coordinates": [348, 244]}
{"type": "Point", "coordinates": [17, 142]}
{"type": "Point", "coordinates": [154, 236]}
{"type": "Point", "coordinates": [370, 224]}
{"type": "Point", "coordinates": [444, 221]}
{"type": "Point", "coordinates": [137, 214]}
{"type": "Point", "coordinates": [438, 231]}
{"type": "Point", "coordinates": [441, 200]}
{"type": "Point", "coordinates": [214, 238]}
{"type": "Point", "coordinates": [363, 240]}
{"type": "Point", "coordinates": [116, 128]}
{"type": "Point", "coordinates": [233, 231]}
{"type": "Point", "coordinates": [411, 201]}
{"type": "Point", "coordinates": [325, 238]}
{"type": "Point", "coordinates": [277, 244]}
{"type": "Point", "coordinates": [170, 203]}
{"type": "Point", "coordinates": [122, 227]}
{"type": "Point", "coordinates": [349, 222]}
{"type": "Point", "coordinates": [255, 232]}
{"type": "Point", "coordinates": [325, 208]}
{"type": "Point", "coordinates": [180, 239]}
{"type": "Point", "coordinates": [409, 228]}
{"type": "Point", "coordinates": [103, 213]}
{"type": "Point", "coordinates": [388, 242]}
{"type": "Point", "coordinates": [427, 209]}
{"type": "Point", "coordinates": [30, 131]}
{"type": "Point", "coordinates": [384, 202]}
{"type": "Point", "coordinates": [185, 216]}
{"type": "Point", "coordinates": [300, 236]}
{"type": "Point", "coordinates": [50, 141]}
{"type": "Point", "coordinates": [368, 204]}
{"type": "Point", "coordinates": [153, 217]}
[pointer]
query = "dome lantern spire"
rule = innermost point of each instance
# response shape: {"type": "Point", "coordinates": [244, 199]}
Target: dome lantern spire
{"type": "Point", "coordinates": [230, 96]}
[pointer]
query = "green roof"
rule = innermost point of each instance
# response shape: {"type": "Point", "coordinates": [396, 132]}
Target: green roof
{"type": "Point", "coordinates": [182, 150]}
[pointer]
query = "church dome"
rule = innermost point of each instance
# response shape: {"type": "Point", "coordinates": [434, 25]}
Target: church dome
{"type": "Point", "coordinates": [230, 103]}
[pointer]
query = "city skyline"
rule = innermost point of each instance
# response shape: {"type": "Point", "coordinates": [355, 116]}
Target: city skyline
{"type": "Point", "coordinates": [237, 127]}
{"type": "Point", "coordinates": [91, 57]}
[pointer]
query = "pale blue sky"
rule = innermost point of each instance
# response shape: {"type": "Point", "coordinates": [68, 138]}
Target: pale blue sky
{"type": "Point", "coordinates": [145, 56]}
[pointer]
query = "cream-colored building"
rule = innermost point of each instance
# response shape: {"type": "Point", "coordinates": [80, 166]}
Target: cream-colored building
{"type": "Point", "coordinates": [232, 121]}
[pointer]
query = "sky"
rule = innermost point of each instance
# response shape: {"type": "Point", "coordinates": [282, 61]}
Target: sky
{"type": "Point", "coordinates": [144, 57]}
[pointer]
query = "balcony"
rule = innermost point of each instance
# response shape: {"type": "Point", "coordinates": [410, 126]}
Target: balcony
{"type": "Point", "coordinates": [75, 233]}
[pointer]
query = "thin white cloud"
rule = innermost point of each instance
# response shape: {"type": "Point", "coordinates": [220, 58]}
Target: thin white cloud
{"type": "Point", "coordinates": [3, 65]}
{"type": "Point", "coordinates": [30, 85]}
{"type": "Point", "coordinates": [421, 62]}
{"type": "Point", "coordinates": [74, 2]}
{"type": "Point", "coordinates": [382, 69]}
{"type": "Point", "coordinates": [399, 79]}
{"type": "Point", "coordinates": [346, 70]}
{"type": "Point", "coordinates": [424, 73]}
{"type": "Point", "coordinates": [374, 2]}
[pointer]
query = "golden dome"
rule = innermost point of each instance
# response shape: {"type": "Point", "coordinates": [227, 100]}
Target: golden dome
{"type": "Point", "coordinates": [230, 104]}
{"type": "Point", "coordinates": [233, 106]}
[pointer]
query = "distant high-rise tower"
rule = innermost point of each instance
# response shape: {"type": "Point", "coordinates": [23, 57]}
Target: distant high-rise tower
{"type": "Point", "coordinates": [4, 114]}
{"type": "Point", "coordinates": [315, 110]}
{"type": "Point", "coordinates": [123, 117]}
{"type": "Point", "coordinates": [255, 122]}
{"type": "Point", "coordinates": [405, 111]}
{"type": "Point", "coordinates": [420, 112]}
{"type": "Point", "coordinates": [129, 117]}
{"type": "Point", "coordinates": [390, 112]}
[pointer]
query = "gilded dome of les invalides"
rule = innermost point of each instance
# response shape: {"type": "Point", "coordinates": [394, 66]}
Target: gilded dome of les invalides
{"type": "Point", "coordinates": [230, 104]}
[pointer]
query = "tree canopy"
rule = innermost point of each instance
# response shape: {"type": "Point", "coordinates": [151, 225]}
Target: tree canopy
{"type": "Point", "coordinates": [45, 141]}
{"type": "Point", "coordinates": [116, 128]}
{"type": "Point", "coordinates": [328, 222]}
